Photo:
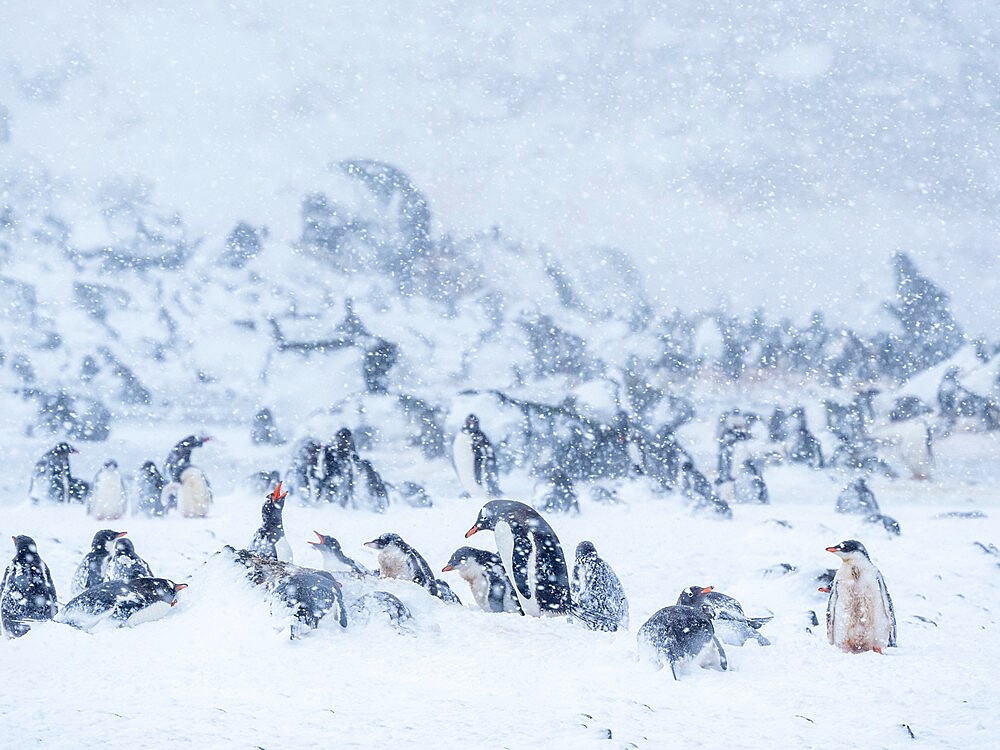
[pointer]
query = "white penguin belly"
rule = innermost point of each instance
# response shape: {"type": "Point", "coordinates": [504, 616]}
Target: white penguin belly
{"type": "Point", "coordinates": [474, 574]}
{"type": "Point", "coordinates": [465, 464]}
{"type": "Point", "coordinates": [107, 499]}
{"type": "Point", "coordinates": [195, 496]}
{"type": "Point", "coordinates": [860, 620]}
{"type": "Point", "coordinates": [283, 549]}
{"type": "Point", "coordinates": [154, 611]}
{"type": "Point", "coordinates": [394, 563]}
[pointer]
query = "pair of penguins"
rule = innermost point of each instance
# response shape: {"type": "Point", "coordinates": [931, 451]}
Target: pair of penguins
{"type": "Point", "coordinates": [118, 588]}
{"type": "Point", "coordinates": [181, 485]}
{"type": "Point", "coordinates": [337, 474]}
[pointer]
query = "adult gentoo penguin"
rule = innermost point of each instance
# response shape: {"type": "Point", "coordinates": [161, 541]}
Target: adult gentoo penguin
{"type": "Point", "coordinates": [859, 615]}
{"type": "Point", "coordinates": [179, 457]}
{"type": "Point", "coordinates": [397, 559]}
{"type": "Point", "coordinates": [532, 556]}
{"type": "Point", "coordinates": [124, 564]}
{"type": "Point", "coordinates": [598, 596]}
{"type": "Point", "coordinates": [334, 559]}
{"type": "Point", "coordinates": [120, 603]}
{"type": "Point", "coordinates": [731, 625]}
{"type": "Point", "coordinates": [90, 571]}
{"type": "Point", "coordinates": [149, 485]}
{"type": "Point", "coordinates": [27, 593]}
{"type": "Point", "coordinates": [107, 500]}
{"type": "Point", "coordinates": [678, 634]}
{"type": "Point", "coordinates": [483, 571]}
{"type": "Point", "coordinates": [475, 461]}
{"type": "Point", "coordinates": [270, 541]}
{"type": "Point", "coordinates": [51, 479]}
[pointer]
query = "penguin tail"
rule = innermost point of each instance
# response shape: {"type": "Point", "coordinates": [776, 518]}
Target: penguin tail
{"type": "Point", "coordinates": [673, 671]}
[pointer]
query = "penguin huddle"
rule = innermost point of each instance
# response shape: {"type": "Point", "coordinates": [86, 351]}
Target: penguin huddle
{"type": "Point", "coordinates": [336, 474]}
{"type": "Point", "coordinates": [111, 584]}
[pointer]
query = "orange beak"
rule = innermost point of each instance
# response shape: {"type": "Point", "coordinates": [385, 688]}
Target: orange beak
{"type": "Point", "coordinates": [831, 549]}
{"type": "Point", "coordinates": [277, 494]}
{"type": "Point", "coordinates": [471, 531]}
{"type": "Point", "coordinates": [120, 534]}
{"type": "Point", "coordinates": [824, 589]}
{"type": "Point", "coordinates": [446, 568]}
{"type": "Point", "coordinates": [318, 535]}
{"type": "Point", "coordinates": [180, 586]}
{"type": "Point", "coordinates": [707, 590]}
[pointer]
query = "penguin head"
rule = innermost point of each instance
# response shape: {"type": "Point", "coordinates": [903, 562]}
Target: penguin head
{"type": "Point", "coordinates": [149, 468]}
{"type": "Point", "coordinates": [585, 549]}
{"type": "Point", "coordinates": [124, 547]}
{"type": "Point", "coordinates": [277, 497]}
{"type": "Point", "coordinates": [64, 449]}
{"type": "Point", "coordinates": [177, 587]}
{"type": "Point", "coordinates": [386, 540]}
{"type": "Point", "coordinates": [471, 424]}
{"type": "Point", "coordinates": [326, 543]}
{"type": "Point", "coordinates": [849, 550]}
{"type": "Point", "coordinates": [343, 443]}
{"type": "Point", "coordinates": [110, 464]}
{"type": "Point", "coordinates": [486, 520]}
{"type": "Point", "coordinates": [692, 594]}
{"type": "Point", "coordinates": [460, 558]}
{"type": "Point", "coordinates": [104, 538]}
{"type": "Point", "coordinates": [25, 545]}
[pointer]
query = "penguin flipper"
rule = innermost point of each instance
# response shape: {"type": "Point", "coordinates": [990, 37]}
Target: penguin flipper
{"type": "Point", "coordinates": [831, 607]}
{"type": "Point", "coordinates": [519, 563]}
{"type": "Point", "coordinates": [889, 609]}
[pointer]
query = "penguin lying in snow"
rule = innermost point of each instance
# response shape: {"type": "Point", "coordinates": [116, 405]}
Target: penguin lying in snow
{"type": "Point", "coordinates": [484, 573]}
{"type": "Point", "coordinates": [397, 559]}
{"type": "Point", "coordinates": [678, 634]}
{"type": "Point", "coordinates": [90, 571]}
{"type": "Point", "coordinates": [107, 499]}
{"type": "Point", "coordinates": [270, 541]}
{"type": "Point", "coordinates": [474, 460]}
{"type": "Point", "coordinates": [380, 604]}
{"type": "Point", "coordinates": [598, 596]}
{"type": "Point", "coordinates": [121, 603]}
{"type": "Point", "coordinates": [27, 593]}
{"type": "Point", "coordinates": [731, 625]}
{"type": "Point", "coordinates": [52, 481]}
{"type": "Point", "coordinates": [859, 614]}
{"type": "Point", "coordinates": [334, 559]}
{"type": "Point", "coordinates": [124, 564]}
{"type": "Point", "coordinates": [531, 554]}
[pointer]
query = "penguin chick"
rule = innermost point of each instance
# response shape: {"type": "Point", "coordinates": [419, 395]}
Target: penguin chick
{"type": "Point", "coordinates": [90, 571]}
{"type": "Point", "coordinates": [334, 559]}
{"type": "Point", "coordinates": [598, 596]}
{"type": "Point", "coordinates": [483, 571]}
{"type": "Point", "coordinates": [107, 500]}
{"type": "Point", "coordinates": [859, 614]}
{"type": "Point", "coordinates": [27, 593]}
{"type": "Point", "coordinates": [475, 461]}
{"type": "Point", "coordinates": [124, 564]}
{"type": "Point", "coordinates": [731, 625]}
{"type": "Point", "coordinates": [532, 556]}
{"type": "Point", "coordinates": [194, 495]}
{"type": "Point", "coordinates": [397, 559]}
{"type": "Point", "coordinates": [270, 541]}
{"type": "Point", "coordinates": [678, 634]}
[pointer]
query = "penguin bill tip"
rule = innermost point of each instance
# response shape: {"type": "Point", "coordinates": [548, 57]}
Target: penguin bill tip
{"type": "Point", "coordinates": [120, 534]}
{"type": "Point", "coordinates": [707, 589]}
{"type": "Point", "coordinates": [446, 568]}
{"type": "Point", "coordinates": [834, 549]}
{"type": "Point", "coordinates": [471, 531]}
{"type": "Point", "coordinates": [180, 586]}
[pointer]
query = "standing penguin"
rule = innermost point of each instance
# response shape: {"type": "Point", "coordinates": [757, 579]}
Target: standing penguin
{"type": "Point", "coordinates": [475, 461]}
{"type": "Point", "coordinates": [124, 564]}
{"type": "Point", "coordinates": [802, 446]}
{"type": "Point", "coordinates": [731, 625]}
{"type": "Point", "coordinates": [531, 554]}
{"type": "Point", "coordinates": [27, 593]}
{"type": "Point", "coordinates": [150, 500]}
{"type": "Point", "coordinates": [179, 457]}
{"type": "Point", "coordinates": [305, 476]}
{"type": "Point", "coordinates": [270, 541]}
{"type": "Point", "coordinates": [90, 571]}
{"type": "Point", "coordinates": [52, 481]}
{"type": "Point", "coordinates": [696, 488]}
{"type": "Point", "coordinates": [194, 494]}
{"type": "Point", "coordinates": [483, 571]}
{"type": "Point", "coordinates": [678, 634]}
{"type": "Point", "coordinates": [749, 486]}
{"type": "Point", "coordinates": [334, 559]}
{"type": "Point", "coordinates": [349, 480]}
{"type": "Point", "coordinates": [397, 559]}
{"type": "Point", "coordinates": [859, 615]}
{"type": "Point", "coordinates": [107, 500]}
{"type": "Point", "coordinates": [598, 596]}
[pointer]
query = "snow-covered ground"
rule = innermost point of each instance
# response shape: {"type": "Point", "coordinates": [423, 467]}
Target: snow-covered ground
{"type": "Point", "coordinates": [220, 671]}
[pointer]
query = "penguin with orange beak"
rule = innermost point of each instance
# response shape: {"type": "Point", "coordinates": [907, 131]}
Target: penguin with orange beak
{"type": "Point", "coordinates": [859, 615]}
{"type": "Point", "coordinates": [531, 555]}
{"type": "Point", "coordinates": [121, 603]}
{"type": "Point", "coordinates": [270, 540]}
{"type": "Point", "coordinates": [732, 626]}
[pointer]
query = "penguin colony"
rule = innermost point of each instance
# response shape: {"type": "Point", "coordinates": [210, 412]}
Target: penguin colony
{"type": "Point", "coordinates": [528, 575]}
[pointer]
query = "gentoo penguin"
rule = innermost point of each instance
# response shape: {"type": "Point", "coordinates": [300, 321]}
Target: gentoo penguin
{"type": "Point", "coordinates": [90, 571]}
{"type": "Point", "coordinates": [149, 497]}
{"type": "Point", "coordinates": [731, 625]}
{"type": "Point", "coordinates": [264, 430]}
{"type": "Point", "coordinates": [382, 604]}
{"type": "Point", "coordinates": [859, 615]}
{"type": "Point", "coordinates": [51, 480]}
{"type": "Point", "coordinates": [179, 457]}
{"type": "Point", "coordinates": [475, 461]}
{"type": "Point", "coordinates": [531, 554]}
{"type": "Point", "coordinates": [27, 593]}
{"type": "Point", "coordinates": [349, 480]}
{"type": "Point", "coordinates": [678, 634]}
{"type": "Point", "coordinates": [749, 486]}
{"type": "Point", "coordinates": [857, 498]}
{"type": "Point", "coordinates": [334, 559]}
{"type": "Point", "coordinates": [121, 603]}
{"type": "Point", "coordinates": [397, 559]}
{"type": "Point", "coordinates": [194, 494]}
{"type": "Point", "coordinates": [696, 488]}
{"type": "Point", "coordinates": [107, 500]}
{"type": "Point", "coordinates": [560, 496]}
{"type": "Point", "coordinates": [270, 541]}
{"type": "Point", "coordinates": [483, 571]}
{"type": "Point", "coordinates": [124, 564]}
{"type": "Point", "coordinates": [598, 596]}
{"type": "Point", "coordinates": [803, 447]}
{"type": "Point", "coordinates": [311, 595]}
{"type": "Point", "coordinates": [444, 592]}
{"type": "Point", "coordinates": [305, 477]}
{"type": "Point", "coordinates": [728, 436]}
